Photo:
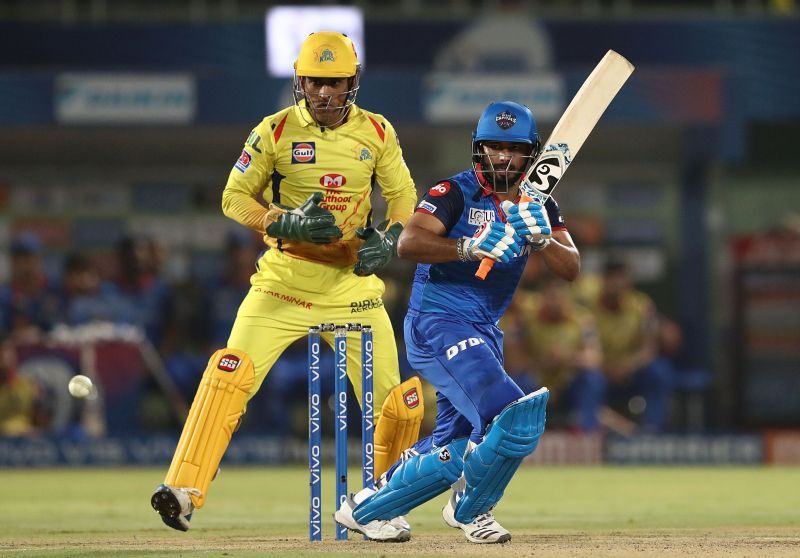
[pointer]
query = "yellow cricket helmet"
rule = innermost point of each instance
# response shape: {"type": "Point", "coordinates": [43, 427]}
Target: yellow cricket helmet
{"type": "Point", "coordinates": [327, 54]}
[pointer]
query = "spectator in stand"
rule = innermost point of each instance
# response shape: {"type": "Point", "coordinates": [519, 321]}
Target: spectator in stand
{"type": "Point", "coordinates": [553, 342]}
{"type": "Point", "coordinates": [139, 283]}
{"type": "Point", "coordinates": [86, 298]}
{"type": "Point", "coordinates": [628, 326]}
{"type": "Point", "coordinates": [27, 304]}
{"type": "Point", "coordinates": [242, 250]}
{"type": "Point", "coordinates": [18, 397]}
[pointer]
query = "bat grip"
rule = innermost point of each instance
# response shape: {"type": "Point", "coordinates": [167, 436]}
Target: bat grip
{"type": "Point", "coordinates": [483, 270]}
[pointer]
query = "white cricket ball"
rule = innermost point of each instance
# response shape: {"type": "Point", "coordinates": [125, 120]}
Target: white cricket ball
{"type": "Point", "coordinates": [80, 386]}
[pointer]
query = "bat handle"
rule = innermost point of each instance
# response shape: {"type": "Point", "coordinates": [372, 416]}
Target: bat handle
{"type": "Point", "coordinates": [483, 270]}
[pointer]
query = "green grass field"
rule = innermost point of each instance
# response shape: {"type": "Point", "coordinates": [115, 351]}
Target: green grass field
{"type": "Point", "coordinates": [551, 511]}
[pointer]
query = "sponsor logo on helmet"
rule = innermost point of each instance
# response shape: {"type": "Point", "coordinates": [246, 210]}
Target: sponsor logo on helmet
{"type": "Point", "coordinates": [244, 161]}
{"type": "Point", "coordinates": [332, 180]}
{"type": "Point", "coordinates": [229, 363]}
{"type": "Point", "coordinates": [325, 54]}
{"type": "Point", "coordinates": [505, 119]}
{"type": "Point", "coordinates": [411, 397]}
{"type": "Point", "coordinates": [303, 152]}
{"type": "Point", "coordinates": [440, 189]}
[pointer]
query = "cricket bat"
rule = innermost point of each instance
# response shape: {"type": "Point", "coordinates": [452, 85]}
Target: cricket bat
{"type": "Point", "coordinates": [575, 125]}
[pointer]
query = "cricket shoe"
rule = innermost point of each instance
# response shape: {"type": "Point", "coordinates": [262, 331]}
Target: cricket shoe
{"type": "Point", "coordinates": [484, 529]}
{"type": "Point", "coordinates": [376, 530]}
{"type": "Point", "coordinates": [174, 505]}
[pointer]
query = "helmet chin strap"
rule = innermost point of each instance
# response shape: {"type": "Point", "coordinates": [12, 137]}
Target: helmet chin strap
{"type": "Point", "coordinates": [299, 94]}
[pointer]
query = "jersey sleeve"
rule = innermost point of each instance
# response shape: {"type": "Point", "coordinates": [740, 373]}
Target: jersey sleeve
{"type": "Point", "coordinates": [397, 186]}
{"type": "Point", "coordinates": [445, 201]}
{"type": "Point", "coordinates": [554, 214]}
{"type": "Point", "coordinates": [249, 177]}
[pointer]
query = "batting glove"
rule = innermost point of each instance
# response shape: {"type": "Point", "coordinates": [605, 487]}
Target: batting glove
{"type": "Point", "coordinates": [530, 221]}
{"type": "Point", "coordinates": [494, 240]}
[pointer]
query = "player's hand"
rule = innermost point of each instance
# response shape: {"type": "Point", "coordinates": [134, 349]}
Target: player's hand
{"type": "Point", "coordinates": [530, 221]}
{"type": "Point", "coordinates": [307, 223]}
{"type": "Point", "coordinates": [380, 246]}
{"type": "Point", "coordinates": [495, 240]}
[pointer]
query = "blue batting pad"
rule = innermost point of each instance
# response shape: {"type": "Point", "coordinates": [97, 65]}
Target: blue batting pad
{"type": "Point", "coordinates": [414, 482]}
{"type": "Point", "coordinates": [512, 436]}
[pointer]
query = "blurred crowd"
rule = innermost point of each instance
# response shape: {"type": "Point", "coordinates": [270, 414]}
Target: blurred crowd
{"type": "Point", "coordinates": [600, 345]}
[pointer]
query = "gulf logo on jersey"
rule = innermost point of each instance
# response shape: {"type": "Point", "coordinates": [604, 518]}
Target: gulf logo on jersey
{"type": "Point", "coordinates": [440, 189]}
{"type": "Point", "coordinates": [244, 161]}
{"type": "Point", "coordinates": [332, 180]}
{"type": "Point", "coordinates": [303, 152]}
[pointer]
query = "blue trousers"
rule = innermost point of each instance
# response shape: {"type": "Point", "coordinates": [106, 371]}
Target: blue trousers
{"type": "Point", "coordinates": [464, 362]}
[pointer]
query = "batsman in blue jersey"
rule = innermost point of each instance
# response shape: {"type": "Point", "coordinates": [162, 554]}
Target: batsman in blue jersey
{"type": "Point", "coordinates": [485, 425]}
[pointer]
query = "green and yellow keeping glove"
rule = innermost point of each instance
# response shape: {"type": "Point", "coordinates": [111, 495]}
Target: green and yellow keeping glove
{"type": "Point", "coordinates": [380, 246]}
{"type": "Point", "coordinates": [307, 223]}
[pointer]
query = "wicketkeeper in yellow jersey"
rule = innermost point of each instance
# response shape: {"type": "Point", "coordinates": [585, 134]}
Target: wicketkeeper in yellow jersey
{"type": "Point", "coordinates": [316, 163]}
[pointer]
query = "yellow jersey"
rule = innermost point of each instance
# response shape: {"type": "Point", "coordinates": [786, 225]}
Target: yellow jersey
{"type": "Point", "coordinates": [624, 333]}
{"type": "Point", "coordinates": [544, 338]}
{"type": "Point", "coordinates": [287, 157]}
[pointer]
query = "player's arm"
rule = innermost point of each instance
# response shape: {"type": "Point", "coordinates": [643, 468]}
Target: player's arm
{"type": "Point", "coordinates": [397, 186]}
{"type": "Point", "coordinates": [247, 179]}
{"type": "Point", "coordinates": [561, 255]}
{"type": "Point", "coordinates": [423, 241]}
{"type": "Point", "coordinates": [546, 232]}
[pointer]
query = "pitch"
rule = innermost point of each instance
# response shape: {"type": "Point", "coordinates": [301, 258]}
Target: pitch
{"type": "Point", "coordinates": [551, 511]}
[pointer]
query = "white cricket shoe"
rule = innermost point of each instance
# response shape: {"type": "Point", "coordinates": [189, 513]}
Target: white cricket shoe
{"type": "Point", "coordinates": [401, 523]}
{"type": "Point", "coordinates": [174, 505]}
{"type": "Point", "coordinates": [376, 530]}
{"type": "Point", "coordinates": [484, 529]}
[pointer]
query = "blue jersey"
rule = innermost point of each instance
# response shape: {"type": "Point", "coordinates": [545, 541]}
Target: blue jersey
{"type": "Point", "coordinates": [452, 288]}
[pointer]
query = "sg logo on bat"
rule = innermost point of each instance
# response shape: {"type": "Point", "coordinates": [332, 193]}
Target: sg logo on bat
{"type": "Point", "coordinates": [550, 167]}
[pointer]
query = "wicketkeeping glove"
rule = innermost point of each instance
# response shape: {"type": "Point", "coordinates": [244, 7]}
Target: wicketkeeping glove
{"type": "Point", "coordinates": [530, 221]}
{"type": "Point", "coordinates": [380, 246]}
{"type": "Point", "coordinates": [495, 240]}
{"type": "Point", "coordinates": [307, 223]}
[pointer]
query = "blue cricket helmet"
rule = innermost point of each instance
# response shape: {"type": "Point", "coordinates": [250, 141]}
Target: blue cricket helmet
{"type": "Point", "coordinates": [507, 121]}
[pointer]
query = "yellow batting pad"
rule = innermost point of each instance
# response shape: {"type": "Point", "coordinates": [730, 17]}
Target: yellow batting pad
{"type": "Point", "coordinates": [398, 427]}
{"type": "Point", "coordinates": [220, 400]}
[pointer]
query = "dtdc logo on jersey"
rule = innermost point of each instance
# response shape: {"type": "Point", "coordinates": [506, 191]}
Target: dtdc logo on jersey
{"type": "Point", "coordinates": [304, 152]}
{"type": "Point", "coordinates": [480, 216]}
{"type": "Point", "coordinates": [244, 161]}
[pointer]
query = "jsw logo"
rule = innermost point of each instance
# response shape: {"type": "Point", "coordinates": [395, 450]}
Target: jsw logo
{"type": "Point", "coordinates": [463, 346]}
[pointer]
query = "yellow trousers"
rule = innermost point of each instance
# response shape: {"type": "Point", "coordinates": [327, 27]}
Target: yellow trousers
{"type": "Point", "coordinates": [290, 295]}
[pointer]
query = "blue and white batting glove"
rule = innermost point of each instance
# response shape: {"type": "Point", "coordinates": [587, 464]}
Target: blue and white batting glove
{"type": "Point", "coordinates": [494, 240]}
{"type": "Point", "coordinates": [530, 221]}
